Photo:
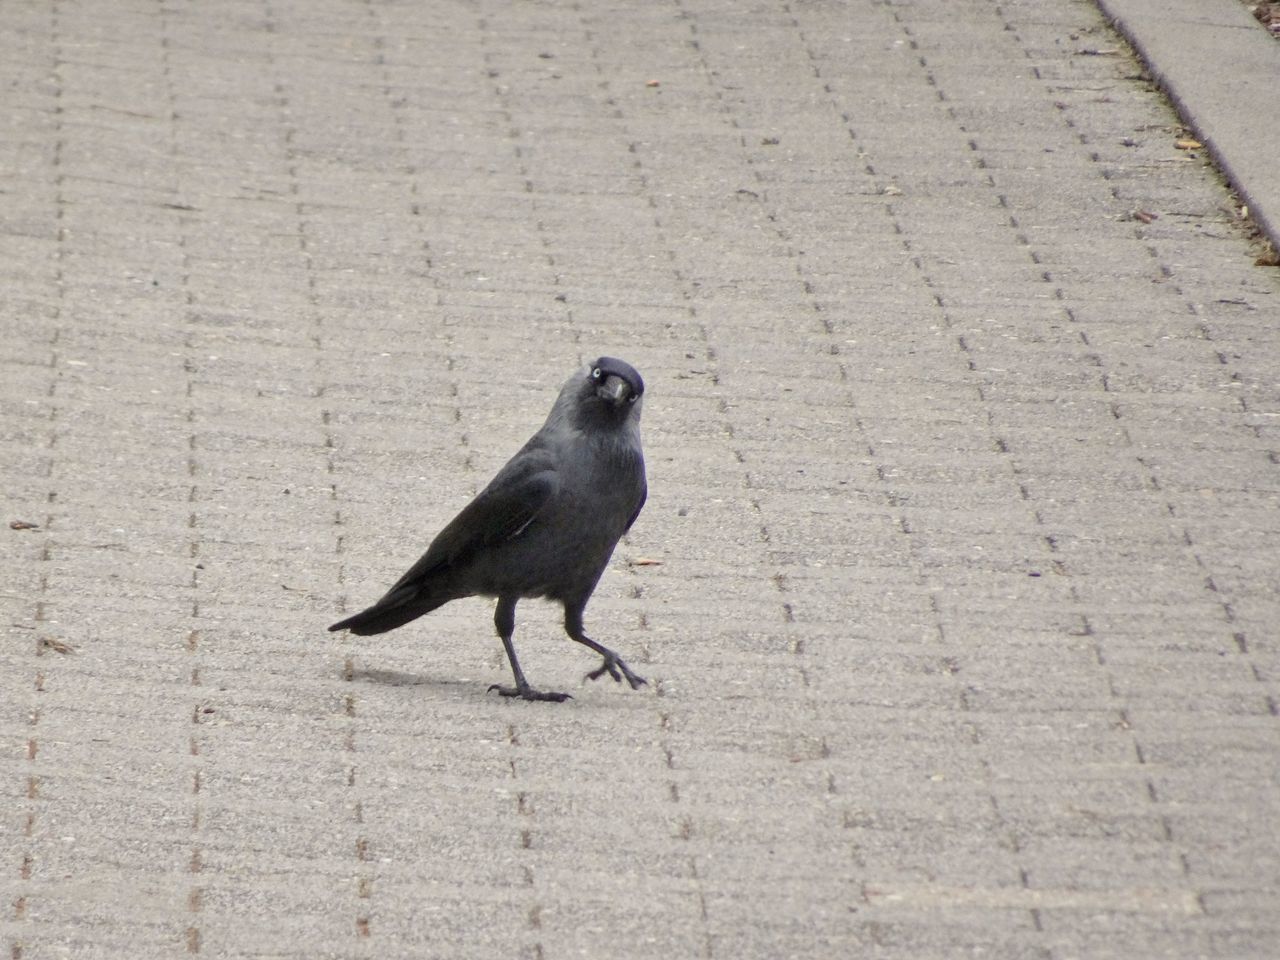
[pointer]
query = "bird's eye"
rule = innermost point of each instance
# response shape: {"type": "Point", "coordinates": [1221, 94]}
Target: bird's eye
{"type": "Point", "coordinates": [632, 398]}
{"type": "Point", "coordinates": [595, 374]}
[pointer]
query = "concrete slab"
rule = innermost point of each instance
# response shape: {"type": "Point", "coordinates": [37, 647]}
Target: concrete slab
{"type": "Point", "coordinates": [1220, 68]}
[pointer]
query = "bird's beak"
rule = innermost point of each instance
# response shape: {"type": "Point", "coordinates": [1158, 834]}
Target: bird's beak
{"type": "Point", "coordinates": [614, 390]}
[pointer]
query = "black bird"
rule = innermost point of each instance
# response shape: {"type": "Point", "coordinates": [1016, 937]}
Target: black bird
{"type": "Point", "coordinates": [545, 526]}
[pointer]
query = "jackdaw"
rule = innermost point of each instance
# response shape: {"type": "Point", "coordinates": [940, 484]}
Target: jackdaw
{"type": "Point", "coordinates": [545, 526]}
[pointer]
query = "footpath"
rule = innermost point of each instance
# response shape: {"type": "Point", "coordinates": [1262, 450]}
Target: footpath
{"type": "Point", "coordinates": [957, 588]}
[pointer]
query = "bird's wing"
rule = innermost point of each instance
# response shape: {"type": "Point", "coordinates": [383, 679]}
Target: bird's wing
{"type": "Point", "coordinates": [510, 502]}
{"type": "Point", "coordinates": [644, 495]}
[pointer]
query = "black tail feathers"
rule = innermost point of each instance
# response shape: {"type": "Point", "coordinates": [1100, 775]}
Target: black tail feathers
{"type": "Point", "coordinates": [380, 618]}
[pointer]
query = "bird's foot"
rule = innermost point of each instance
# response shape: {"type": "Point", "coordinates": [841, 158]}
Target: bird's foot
{"type": "Point", "coordinates": [526, 692]}
{"type": "Point", "coordinates": [617, 668]}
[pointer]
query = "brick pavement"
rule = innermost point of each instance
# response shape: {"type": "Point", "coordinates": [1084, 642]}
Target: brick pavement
{"type": "Point", "coordinates": [963, 455]}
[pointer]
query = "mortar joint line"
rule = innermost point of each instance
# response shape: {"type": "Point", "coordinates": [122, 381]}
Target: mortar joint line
{"type": "Point", "coordinates": [527, 176]}
{"type": "Point", "coordinates": [526, 813]}
{"type": "Point", "coordinates": [195, 888]}
{"type": "Point", "coordinates": [685, 827]}
{"type": "Point", "coordinates": [28, 860]}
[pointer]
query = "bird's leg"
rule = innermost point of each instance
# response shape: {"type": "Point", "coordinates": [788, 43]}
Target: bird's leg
{"type": "Point", "coordinates": [613, 664]}
{"type": "Point", "coordinates": [504, 619]}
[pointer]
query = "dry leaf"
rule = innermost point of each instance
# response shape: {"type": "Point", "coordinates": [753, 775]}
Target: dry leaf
{"type": "Point", "coordinates": [1144, 216]}
{"type": "Point", "coordinates": [23, 525]}
{"type": "Point", "coordinates": [1188, 144]}
{"type": "Point", "coordinates": [645, 562]}
{"type": "Point", "coordinates": [653, 83]}
{"type": "Point", "coordinates": [56, 645]}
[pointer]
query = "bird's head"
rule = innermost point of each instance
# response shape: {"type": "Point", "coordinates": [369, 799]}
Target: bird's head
{"type": "Point", "coordinates": [608, 391]}
{"type": "Point", "coordinates": [616, 382]}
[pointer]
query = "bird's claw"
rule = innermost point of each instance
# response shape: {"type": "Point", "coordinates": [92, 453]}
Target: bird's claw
{"type": "Point", "coordinates": [527, 692]}
{"type": "Point", "coordinates": [617, 668]}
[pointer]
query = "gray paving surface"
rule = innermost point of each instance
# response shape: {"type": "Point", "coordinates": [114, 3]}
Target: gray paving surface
{"type": "Point", "coordinates": [964, 443]}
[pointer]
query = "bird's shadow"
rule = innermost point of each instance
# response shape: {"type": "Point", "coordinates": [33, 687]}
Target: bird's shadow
{"type": "Point", "coordinates": [397, 678]}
